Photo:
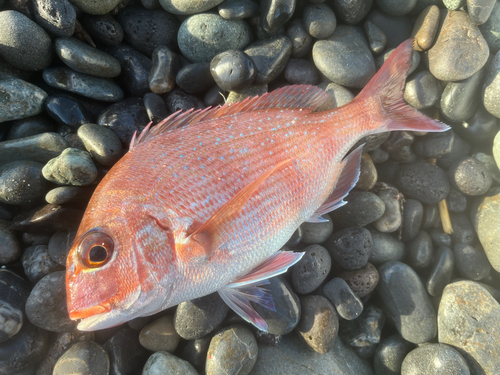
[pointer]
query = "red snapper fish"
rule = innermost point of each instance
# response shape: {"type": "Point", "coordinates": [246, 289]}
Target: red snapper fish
{"type": "Point", "coordinates": [204, 201]}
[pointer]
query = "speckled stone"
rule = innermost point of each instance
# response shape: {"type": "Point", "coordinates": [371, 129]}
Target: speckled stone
{"type": "Point", "coordinates": [491, 90]}
{"type": "Point", "coordinates": [434, 359]}
{"type": "Point", "coordinates": [37, 263]}
{"type": "Point", "coordinates": [424, 182]}
{"type": "Point", "coordinates": [72, 167]}
{"type": "Point", "coordinates": [488, 224]}
{"type": "Point", "coordinates": [316, 233]}
{"type": "Point", "coordinates": [361, 281]}
{"type": "Point", "coordinates": [104, 29]}
{"type": "Point", "coordinates": [84, 357]}
{"type": "Point", "coordinates": [470, 176]}
{"type": "Point", "coordinates": [350, 248]}
{"type": "Point", "coordinates": [319, 20]}
{"type": "Point", "coordinates": [19, 99]}
{"type": "Point", "coordinates": [57, 16]}
{"type": "Point", "coordinates": [311, 270]}
{"type": "Point", "coordinates": [390, 354]}
{"type": "Point", "coordinates": [21, 182]}
{"type": "Point", "coordinates": [166, 363]}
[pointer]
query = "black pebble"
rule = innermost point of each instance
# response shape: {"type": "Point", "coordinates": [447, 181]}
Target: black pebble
{"type": "Point", "coordinates": [420, 251]}
{"type": "Point", "coordinates": [156, 107]}
{"type": "Point", "coordinates": [413, 212]}
{"type": "Point", "coordinates": [423, 181]}
{"type": "Point", "coordinates": [195, 352]}
{"type": "Point", "coordinates": [179, 100]}
{"type": "Point", "coordinates": [385, 248]}
{"type": "Point", "coordinates": [59, 245]}
{"type": "Point", "coordinates": [362, 208]}
{"type": "Point", "coordinates": [30, 126]}
{"type": "Point", "coordinates": [66, 110]}
{"type": "Point", "coordinates": [431, 216]}
{"type": "Point", "coordinates": [446, 147]}
{"type": "Point", "coordinates": [463, 231]}
{"type": "Point", "coordinates": [194, 78]}
{"type": "Point", "coordinates": [439, 238]}
{"type": "Point", "coordinates": [457, 202]}
{"type": "Point", "coordinates": [470, 262]}
{"type": "Point", "coordinates": [103, 29]}
{"type": "Point", "coordinates": [126, 355]}
{"type": "Point", "coordinates": [311, 270]}
{"type": "Point", "coordinates": [480, 129]}
{"type": "Point", "coordinates": [301, 72]}
{"type": "Point", "coordinates": [441, 271]}
{"type": "Point", "coordinates": [232, 70]}
{"type": "Point", "coordinates": [348, 304]}
{"type": "Point", "coordinates": [37, 263]}
{"type": "Point", "coordinates": [390, 354]}
{"type": "Point", "coordinates": [350, 248]}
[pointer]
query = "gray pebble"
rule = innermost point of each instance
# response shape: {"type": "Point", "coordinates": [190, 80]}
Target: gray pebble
{"type": "Point", "coordinates": [376, 37]}
{"type": "Point", "coordinates": [491, 27]}
{"type": "Point", "coordinates": [63, 194]}
{"type": "Point", "coordinates": [163, 71]}
{"type": "Point", "coordinates": [379, 155]}
{"type": "Point", "coordinates": [441, 271]}
{"type": "Point", "coordinates": [350, 248]}
{"type": "Point", "coordinates": [470, 176]}
{"type": "Point", "coordinates": [20, 99]}
{"type": "Point", "coordinates": [314, 233]}
{"type": "Point", "coordinates": [319, 20]}
{"type": "Point", "coordinates": [37, 263]}
{"type": "Point", "coordinates": [396, 29]}
{"type": "Point", "coordinates": [390, 354]}
{"type": "Point", "coordinates": [420, 251]}
{"type": "Point", "coordinates": [30, 126]}
{"type": "Point", "coordinates": [352, 12]}
{"type": "Point", "coordinates": [104, 29]}
{"type": "Point", "coordinates": [301, 72]}
{"type": "Point", "coordinates": [446, 147]}
{"type": "Point", "coordinates": [395, 7]}
{"type": "Point", "coordinates": [392, 218]}
{"type": "Point", "coordinates": [434, 359]}
{"type": "Point", "coordinates": [155, 107]}
{"type": "Point", "coordinates": [57, 16]}
{"type": "Point", "coordinates": [491, 88]}
{"type": "Point", "coordinates": [238, 9]}
{"type": "Point", "coordinates": [470, 262]}
{"type": "Point", "coordinates": [413, 212]}
{"type": "Point", "coordinates": [423, 181]}
{"type": "Point", "coordinates": [422, 90]}
{"type": "Point", "coordinates": [160, 335]}
{"type": "Point", "coordinates": [23, 43]}
{"type": "Point", "coordinates": [72, 167]}
{"type": "Point", "coordinates": [195, 78]}
{"type": "Point", "coordinates": [302, 42]}
{"type": "Point", "coordinates": [166, 363]}
{"type": "Point", "coordinates": [381, 59]}
{"type": "Point", "coordinates": [274, 14]}
{"type": "Point", "coordinates": [480, 11]}
{"type": "Point", "coordinates": [21, 182]}
{"type": "Point", "coordinates": [186, 7]}
{"type": "Point", "coordinates": [102, 143]}
{"type": "Point", "coordinates": [96, 7]}
{"type": "Point", "coordinates": [337, 96]}
{"type": "Point", "coordinates": [488, 224]}
{"type": "Point", "coordinates": [84, 357]}
{"type": "Point", "coordinates": [347, 304]}
{"type": "Point", "coordinates": [385, 248]}
{"type": "Point", "coordinates": [9, 245]}
{"type": "Point", "coordinates": [232, 70]}
{"type": "Point", "coordinates": [59, 245]}
{"type": "Point", "coordinates": [457, 202]}
{"type": "Point", "coordinates": [311, 270]}
{"type": "Point", "coordinates": [362, 209]}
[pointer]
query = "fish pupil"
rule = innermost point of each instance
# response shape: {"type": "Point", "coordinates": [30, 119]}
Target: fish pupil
{"type": "Point", "coordinates": [98, 254]}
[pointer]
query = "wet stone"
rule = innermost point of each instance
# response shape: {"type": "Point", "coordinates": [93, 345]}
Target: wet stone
{"type": "Point", "coordinates": [14, 291]}
{"type": "Point", "coordinates": [424, 182]}
{"type": "Point", "coordinates": [20, 99]}
{"type": "Point", "coordinates": [67, 110]}
{"type": "Point", "coordinates": [59, 245]}
{"type": "Point", "coordinates": [232, 350]}
{"type": "Point", "coordinates": [350, 248]}
{"type": "Point", "coordinates": [63, 194]}
{"type": "Point", "coordinates": [406, 302]}
{"type": "Point", "coordinates": [488, 224]}
{"type": "Point", "coordinates": [352, 12]}
{"type": "Point", "coordinates": [425, 28]}
{"type": "Point", "coordinates": [56, 16]}
{"type": "Point", "coordinates": [319, 20]}
{"type": "Point", "coordinates": [470, 176]}
{"type": "Point", "coordinates": [179, 100]}
{"type": "Point", "coordinates": [347, 304]}
{"type": "Point", "coordinates": [232, 70]}
{"type": "Point", "coordinates": [392, 219]}
{"type": "Point", "coordinates": [420, 251]}
{"type": "Point", "coordinates": [104, 29]}
{"type": "Point", "coordinates": [491, 90]}
{"type": "Point", "coordinates": [364, 332]}
{"type": "Point", "coordinates": [269, 57]}
{"type": "Point", "coordinates": [470, 262]}
{"type": "Point", "coordinates": [30, 126]}
{"type": "Point", "coordinates": [390, 354]}
{"type": "Point", "coordinates": [302, 42]}
{"type": "Point", "coordinates": [34, 239]}
{"type": "Point", "coordinates": [315, 233]}
{"type": "Point", "coordinates": [396, 29]}
{"type": "Point", "coordinates": [47, 218]}
{"type": "Point", "coordinates": [362, 209]}
{"type": "Point", "coordinates": [274, 14]}
{"type": "Point", "coordinates": [238, 9]}
{"type": "Point", "coordinates": [361, 281]}
{"type": "Point", "coordinates": [479, 129]}
{"type": "Point", "coordinates": [160, 335]}
{"type": "Point", "coordinates": [37, 263]}
{"type": "Point", "coordinates": [195, 352]}
{"type": "Point", "coordinates": [197, 318]}
{"type": "Point", "coordinates": [102, 143]}
{"type": "Point", "coordinates": [72, 167]}
{"type": "Point", "coordinates": [84, 357]}
{"type": "Point", "coordinates": [165, 363]}
{"type": "Point", "coordinates": [441, 271]}
{"type": "Point", "coordinates": [301, 72]}
{"type": "Point", "coordinates": [21, 182]}
{"type": "Point", "coordinates": [311, 270]}
{"type": "Point", "coordinates": [457, 202]}
{"type": "Point", "coordinates": [319, 324]}
{"type": "Point", "coordinates": [413, 213]}
{"type": "Point", "coordinates": [385, 248]}
{"type": "Point", "coordinates": [163, 71]}
{"type": "Point", "coordinates": [376, 38]}
{"type": "Point", "coordinates": [155, 107]}
{"type": "Point", "coordinates": [422, 90]}
{"type": "Point", "coordinates": [434, 359]}
{"type": "Point", "coordinates": [490, 28]}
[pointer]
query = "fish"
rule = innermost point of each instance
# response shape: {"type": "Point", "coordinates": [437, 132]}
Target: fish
{"type": "Point", "coordinates": [204, 201]}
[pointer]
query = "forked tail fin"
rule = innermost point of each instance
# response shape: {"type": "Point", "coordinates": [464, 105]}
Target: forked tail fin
{"type": "Point", "coordinates": [384, 96]}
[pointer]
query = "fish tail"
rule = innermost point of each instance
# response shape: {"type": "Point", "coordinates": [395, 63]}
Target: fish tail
{"type": "Point", "coordinates": [382, 97]}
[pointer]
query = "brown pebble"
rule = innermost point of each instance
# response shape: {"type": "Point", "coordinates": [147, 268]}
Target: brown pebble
{"type": "Point", "coordinates": [362, 281]}
{"type": "Point", "coordinates": [367, 174]}
{"type": "Point", "coordinates": [425, 28]}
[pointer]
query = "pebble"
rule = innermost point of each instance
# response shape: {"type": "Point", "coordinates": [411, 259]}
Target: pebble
{"type": "Point", "coordinates": [470, 262]}
{"type": "Point", "coordinates": [454, 4]}
{"type": "Point", "coordinates": [480, 11]}
{"type": "Point", "coordinates": [434, 359]}
{"type": "Point", "coordinates": [301, 72]}
{"type": "Point", "coordinates": [232, 70]}
{"type": "Point", "coordinates": [23, 43]}
{"type": "Point", "coordinates": [385, 248]}
{"type": "Point", "coordinates": [362, 209]}
{"type": "Point", "coordinates": [41, 147]}
{"type": "Point", "coordinates": [395, 7]}
{"type": "Point", "coordinates": [367, 174]}
{"type": "Point", "coordinates": [346, 302]}
{"type": "Point", "coordinates": [72, 167]}
{"type": "Point", "coordinates": [195, 352]}
{"type": "Point", "coordinates": [345, 58]}
{"type": "Point", "coordinates": [102, 143]}
{"type": "Point", "coordinates": [21, 182]}
{"type": "Point", "coordinates": [233, 350]}
{"type": "Point", "coordinates": [457, 202]}
{"type": "Point", "coordinates": [270, 57]}
{"type": "Point", "coordinates": [413, 213]}
{"type": "Point", "coordinates": [155, 107]}
{"type": "Point", "coordinates": [490, 28]}
{"type": "Point", "coordinates": [104, 29]}
{"type": "Point", "coordinates": [496, 149]}
{"type": "Point", "coordinates": [425, 28]}
{"type": "Point", "coordinates": [468, 321]}
{"type": "Point", "coordinates": [462, 229]}
{"type": "Point", "coordinates": [459, 40]}
{"type": "Point", "coordinates": [441, 271]}
{"type": "Point", "coordinates": [397, 140]}
{"type": "Point", "coordinates": [166, 363]}
{"type": "Point", "coordinates": [146, 29]}
{"type": "Point", "coordinates": [488, 224]}
{"type": "Point", "coordinates": [37, 263]}
{"type": "Point", "coordinates": [197, 318]}
{"type": "Point", "coordinates": [446, 147]}
{"type": "Point", "coordinates": [160, 335]}
{"type": "Point", "coordinates": [350, 248]}
{"type": "Point", "coordinates": [274, 14]}
{"type": "Point", "coordinates": [424, 182]}
{"type": "Point", "coordinates": [390, 354]}
{"type": "Point", "coordinates": [319, 325]}
{"type": "Point", "coordinates": [315, 233]}
{"type": "Point", "coordinates": [59, 245]}
{"type": "Point", "coordinates": [422, 90]}
{"type": "Point", "coordinates": [179, 100]}
{"type": "Point", "coordinates": [20, 99]}
{"type": "Point", "coordinates": [186, 7]}
{"type": "Point", "coordinates": [163, 71]}
{"type": "Point", "coordinates": [491, 88]}
{"type": "Point", "coordinates": [84, 357]}
{"type": "Point", "coordinates": [302, 42]}
{"type": "Point", "coordinates": [352, 12]}
{"type": "Point", "coordinates": [396, 29]}
{"type": "Point", "coordinates": [91, 87]}
{"type": "Point", "coordinates": [361, 281]}
{"type": "Point", "coordinates": [238, 9]}
{"type": "Point", "coordinates": [57, 16]}
{"type": "Point", "coordinates": [311, 270]}
{"type": "Point", "coordinates": [96, 7]}
{"type": "Point", "coordinates": [14, 291]}
{"type": "Point", "coordinates": [46, 305]}
{"type": "Point", "coordinates": [337, 97]}
{"type": "Point", "coordinates": [83, 58]}
{"type": "Point", "coordinates": [392, 218]}
{"type": "Point", "coordinates": [29, 126]}
{"type": "Point", "coordinates": [470, 176]}
{"type": "Point", "coordinates": [203, 36]}
{"type": "Point", "coordinates": [48, 218]}
{"type": "Point", "coordinates": [479, 129]}
{"type": "Point", "coordinates": [376, 38]}
{"type": "Point", "coordinates": [406, 302]}
{"type": "Point", "coordinates": [195, 78]}
{"type": "Point", "coordinates": [67, 110]}
{"type": "Point", "coordinates": [420, 251]}
{"type": "Point", "coordinates": [319, 20]}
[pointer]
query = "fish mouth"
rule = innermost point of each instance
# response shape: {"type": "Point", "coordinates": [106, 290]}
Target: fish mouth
{"type": "Point", "coordinates": [92, 311]}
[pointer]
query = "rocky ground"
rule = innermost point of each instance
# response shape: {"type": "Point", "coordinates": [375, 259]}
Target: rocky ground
{"type": "Point", "coordinates": [382, 289]}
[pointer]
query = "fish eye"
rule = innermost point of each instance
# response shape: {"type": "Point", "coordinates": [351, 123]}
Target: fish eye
{"type": "Point", "coordinates": [96, 249]}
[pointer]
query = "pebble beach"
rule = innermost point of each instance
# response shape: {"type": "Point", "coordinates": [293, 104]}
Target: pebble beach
{"type": "Point", "coordinates": [403, 279]}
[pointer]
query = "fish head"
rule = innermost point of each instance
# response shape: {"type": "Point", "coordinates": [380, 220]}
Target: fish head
{"type": "Point", "coordinates": [115, 270]}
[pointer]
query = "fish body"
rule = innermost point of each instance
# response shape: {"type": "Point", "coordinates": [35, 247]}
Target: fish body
{"type": "Point", "coordinates": [204, 201]}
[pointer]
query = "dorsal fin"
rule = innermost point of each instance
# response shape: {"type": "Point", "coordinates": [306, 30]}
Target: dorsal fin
{"type": "Point", "coordinates": [290, 97]}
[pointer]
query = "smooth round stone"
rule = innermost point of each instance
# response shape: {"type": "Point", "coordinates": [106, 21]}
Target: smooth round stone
{"type": "Point", "coordinates": [315, 233]}
{"type": "Point", "coordinates": [470, 262]}
{"type": "Point", "coordinates": [166, 363]}
{"type": "Point", "coordinates": [302, 42]}
{"type": "Point", "coordinates": [413, 212]}
{"type": "Point", "coordinates": [14, 291]}
{"type": "Point", "coordinates": [91, 87]}
{"type": "Point", "coordinates": [195, 352]}
{"type": "Point", "coordinates": [102, 143]}
{"type": "Point", "coordinates": [46, 306]}
{"type": "Point", "coordinates": [407, 303]}
{"type": "Point", "coordinates": [57, 16]}
{"type": "Point", "coordinates": [379, 156]}
{"type": "Point", "coordinates": [424, 182]}
{"type": "Point", "coordinates": [480, 11]}
{"type": "Point", "coordinates": [470, 176]}
{"type": "Point", "coordinates": [232, 70]}
{"type": "Point", "coordinates": [463, 230]}
{"type": "Point", "coordinates": [84, 357]}
{"type": "Point", "coordinates": [422, 90]}
{"type": "Point", "coordinates": [457, 202]}
{"type": "Point", "coordinates": [491, 89]}
{"type": "Point", "coordinates": [178, 100]}
{"type": "Point", "coordinates": [350, 248]}
{"type": "Point", "coordinates": [301, 72]}
{"type": "Point", "coordinates": [362, 209]}
{"type": "Point", "coordinates": [20, 99]}
{"type": "Point", "coordinates": [361, 281]}
{"type": "Point", "coordinates": [396, 7]}
{"type": "Point", "coordinates": [385, 248]}
{"type": "Point", "coordinates": [163, 71]}
{"type": "Point", "coordinates": [367, 174]}
{"type": "Point", "coordinates": [37, 263]}
{"type": "Point", "coordinates": [376, 38]}
{"type": "Point", "coordinates": [434, 359]}
{"type": "Point", "coordinates": [96, 7]}
{"type": "Point", "coordinates": [146, 29]}
{"type": "Point", "coordinates": [104, 29]}
{"type": "Point", "coordinates": [66, 110]}
{"type": "Point", "coordinates": [311, 270]}
{"type": "Point", "coordinates": [72, 167]}
{"type": "Point", "coordinates": [488, 224]}
{"type": "Point", "coordinates": [83, 58]}
{"type": "Point", "coordinates": [396, 29]}
{"type": "Point", "coordinates": [195, 78]}
{"type": "Point", "coordinates": [468, 310]}
{"type": "Point", "coordinates": [186, 7]}
{"type": "Point", "coordinates": [490, 164]}
{"type": "Point", "coordinates": [23, 350]}
{"type": "Point", "coordinates": [21, 182]}
{"type": "Point", "coordinates": [126, 356]}
{"type": "Point", "coordinates": [197, 318]}
{"type": "Point", "coordinates": [425, 28]}
{"type": "Point", "coordinates": [446, 147]}
{"type": "Point", "coordinates": [479, 129]}
{"type": "Point", "coordinates": [233, 350]}
{"type": "Point", "coordinates": [238, 9]}
{"type": "Point", "coordinates": [441, 271]}
{"type": "Point", "coordinates": [346, 302]}
{"type": "Point", "coordinates": [420, 251]}
{"type": "Point", "coordinates": [31, 126]}
{"type": "Point", "coordinates": [274, 14]}
{"type": "Point", "coordinates": [345, 58]}
{"type": "Point", "coordinates": [319, 20]}
{"type": "Point", "coordinates": [319, 325]}
{"type": "Point", "coordinates": [352, 12]}
{"type": "Point", "coordinates": [337, 97]}
{"type": "Point", "coordinates": [390, 354]}
{"type": "Point", "coordinates": [270, 57]}
{"type": "Point", "coordinates": [59, 245]}
{"type": "Point", "coordinates": [203, 36]}
{"type": "Point", "coordinates": [431, 216]}
{"type": "Point", "coordinates": [160, 335]}
{"type": "Point", "coordinates": [23, 43]}
{"type": "Point", "coordinates": [491, 28]}
{"type": "Point", "coordinates": [155, 107]}
{"type": "Point", "coordinates": [392, 219]}
{"type": "Point", "coordinates": [459, 41]}
{"type": "Point", "coordinates": [439, 238]}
